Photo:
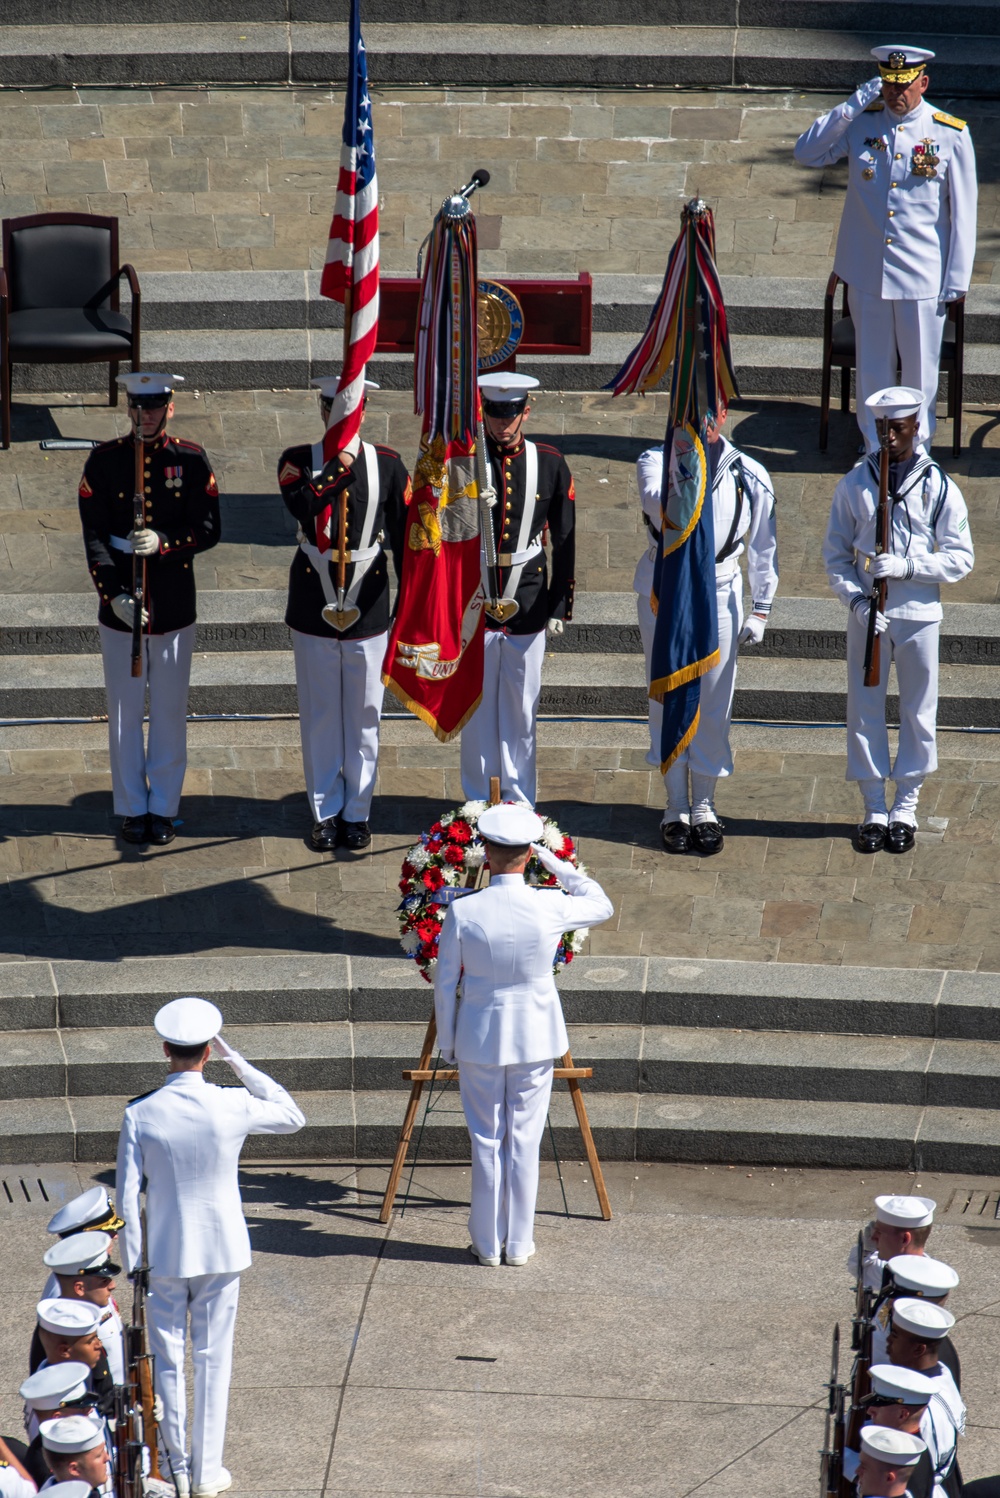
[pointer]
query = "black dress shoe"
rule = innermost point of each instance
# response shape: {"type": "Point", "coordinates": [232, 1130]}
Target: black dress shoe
{"type": "Point", "coordinates": [355, 835]}
{"type": "Point", "coordinates": [870, 837]}
{"type": "Point", "coordinates": [325, 836]}
{"type": "Point", "coordinates": [706, 838]}
{"type": "Point", "coordinates": [161, 831]}
{"type": "Point", "coordinates": [675, 837]}
{"type": "Point", "coordinates": [900, 837]}
{"type": "Point", "coordinates": [134, 830]}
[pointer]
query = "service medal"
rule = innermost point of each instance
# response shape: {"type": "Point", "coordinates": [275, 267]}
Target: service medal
{"type": "Point", "coordinates": [868, 173]}
{"type": "Point", "coordinates": [925, 160]}
{"type": "Point", "coordinates": [172, 478]}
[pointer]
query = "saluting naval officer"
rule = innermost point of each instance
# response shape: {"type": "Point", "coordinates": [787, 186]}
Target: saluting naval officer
{"type": "Point", "coordinates": [907, 237]}
{"type": "Point", "coordinates": [185, 1138]}
{"type": "Point", "coordinates": [500, 943]}
{"type": "Point", "coordinates": [743, 516]}
{"type": "Point", "coordinates": [535, 497]}
{"type": "Point", "coordinates": [181, 518]}
{"type": "Point", "coordinates": [929, 544]}
{"type": "Point", "coordinates": [339, 643]}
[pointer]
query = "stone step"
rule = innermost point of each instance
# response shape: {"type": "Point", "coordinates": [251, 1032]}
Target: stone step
{"type": "Point", "coordinates": [575, 684]}
{"type": "Point", "coordinates": [710, 994]}
{"type": "Point", "coordinates": [449, 50]}
{"type": "Point", "coordinates": [344, 1057]}
{"type": "Point", "coordinates": [923, 17]}
{"type": "Point", "coordinates": [230, 621]}
{"type": "Point", "coordinates": [641, 1126]}
{"type": "Point", "coordinates": [286, 358]}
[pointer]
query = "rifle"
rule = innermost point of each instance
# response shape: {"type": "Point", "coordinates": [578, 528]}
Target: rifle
{"type": "Point", "coordinates": [142, 1427]}
{"type": "Point", "coordinates": [861, 1342]}
{"type": "Point", "coordinates": [873, 643]}
{"type": "Point", "coordinates": [832, 1454]}
{"type": "Point", "coordinates": [138, 563]}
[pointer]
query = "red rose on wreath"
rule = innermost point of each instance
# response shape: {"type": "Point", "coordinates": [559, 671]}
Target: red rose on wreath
{"type": "Point", "coordinates": [433, 879]}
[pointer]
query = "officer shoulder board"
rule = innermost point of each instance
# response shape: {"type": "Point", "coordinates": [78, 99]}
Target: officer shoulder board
{"type": "Point", "coordinates": [948, 119]}
{"type": "Point", "coordinates": [141, 1096]}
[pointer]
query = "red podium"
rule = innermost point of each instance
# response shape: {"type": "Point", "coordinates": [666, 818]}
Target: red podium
{"type": "Point", "coordinates": [558, 315]}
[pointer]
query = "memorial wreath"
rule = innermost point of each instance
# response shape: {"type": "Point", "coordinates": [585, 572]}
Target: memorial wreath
{"type": "Point", "coordinates": [441, 866]}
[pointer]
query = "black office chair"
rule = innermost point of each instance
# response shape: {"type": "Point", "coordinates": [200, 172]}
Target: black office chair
{"type": "Point", "coordinates": [839, 353]}
{"type": "Point", "coordinates": [59, 298]}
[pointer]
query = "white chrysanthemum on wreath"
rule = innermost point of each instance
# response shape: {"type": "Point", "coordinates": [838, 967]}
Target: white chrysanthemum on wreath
{"type": "Point", "coordinates": [449, 855]}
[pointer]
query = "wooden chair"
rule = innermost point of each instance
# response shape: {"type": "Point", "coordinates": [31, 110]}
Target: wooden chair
{"type": "Point", "coordinates": [839, 352]}
{"type": "Point", "coordinates": [59, 302]}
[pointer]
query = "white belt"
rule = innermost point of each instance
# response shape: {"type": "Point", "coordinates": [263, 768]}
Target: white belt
{"type": "Point", "coordinates": [518, 558]}
{"type": "Point", "coordinates": [120, 543]}
{"type": "Point", "coordinates": [727, 570]}
{"type": "Point", "coordinates": [318, 558]}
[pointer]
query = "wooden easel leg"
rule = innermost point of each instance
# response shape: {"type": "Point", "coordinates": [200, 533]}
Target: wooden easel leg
{"type": "Point", "coordinates": [406, 1132]}
{"type": "Point", "coordinates": [580, 1108]}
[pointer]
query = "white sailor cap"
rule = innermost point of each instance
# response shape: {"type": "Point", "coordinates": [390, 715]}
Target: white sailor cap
{"type": "Point", "coordinates": [922, 1318]}
{"type": "Point", "coordinates": [899, 63]}
{"type": "Point", "coordinates": [510, 825]}
{"type": "Point", "coordinates": [70, 1434]}
{"type": "Point", "coordinates": [82, 1253]}
{"type": "Point", "coordinates": [54, 1385]}
{"type": "Point", "coordinates": [903, 1384]}
{"type": "Point", "coordinates": [70, 1318]}
{"type": "Point", "coordinates": [75, 1488]}
{"type": "Point", "coordinates": [896, 1448]}
{"type": "Point", "coordinates": [327, 386]}
{"type": "Point", "coordinates": [145, 388]}
{"type": "Point", "coordinates": [89, 1212]}
{"type": "Point", "coordinates": [894, 402]}
{"type": "Point", "coordinates": [505, 393]}
{"type": "Point", "coordinates": [188, 1021]}
{"type": "Point", "coordinates": [904, 1211]}
{"type": "Point", "coordinates": [922, 1274]}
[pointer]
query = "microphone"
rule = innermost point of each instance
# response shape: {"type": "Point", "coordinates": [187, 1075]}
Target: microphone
{"type": "Point", "coordinates": [479, 178]}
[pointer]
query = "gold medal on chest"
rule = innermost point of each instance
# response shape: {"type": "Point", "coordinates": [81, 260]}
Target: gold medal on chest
{"type": "Point", "coordinates": [868, 173]}
{"type": "Point", "coordinates": [925, 160]}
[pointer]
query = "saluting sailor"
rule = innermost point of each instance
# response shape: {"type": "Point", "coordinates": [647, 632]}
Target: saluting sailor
{"type": "Point", "coordinates": [929, 544]}
{"type": "Point", "coordinates": [339, 641]}
{"type": "Point", "coordinates": [185, 1138]}
{"type": "Point", "coordinates": [500, 944]}
{"type": "Point", "coordinates": [535, 495]}
{"type": "Point", "coordinates": [907, 237]}
{"type": "Point", "coordinates": [743, 516]}
{"type": "Point", "coordinates": [181, 518]}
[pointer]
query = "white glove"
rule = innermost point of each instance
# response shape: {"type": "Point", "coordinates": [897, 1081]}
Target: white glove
{"type": "Point", "coordinates": [861, 606]}
{"type": "Point", "coordinates": [881, 622]}
{"type": "Point", "coordinates": [555, 627]}
{"type": "Point", "coordinates": [225, 1052]}
{"type": "Point", "coordinates": [123, 608]}
{"type": "Point", "coordinates": [157, 1409]}
{"type": "Point", "coordinates": [886, 565]}
{"type": "Point", "coordinates": [753, 630]}
{"type": "Point", "coordinates": [865, 94]}
{"type": "Point", "coordinates": [145, 543]}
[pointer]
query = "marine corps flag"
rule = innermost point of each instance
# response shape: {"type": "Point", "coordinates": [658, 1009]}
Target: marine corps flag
{"type": "Point", "coordinates": [687, 328]}
{"type": "Point", "coordinates": [434, 662]}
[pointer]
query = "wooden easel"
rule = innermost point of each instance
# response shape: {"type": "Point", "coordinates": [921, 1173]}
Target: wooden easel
{"type": "Point", "coordinates": [424, 1072]}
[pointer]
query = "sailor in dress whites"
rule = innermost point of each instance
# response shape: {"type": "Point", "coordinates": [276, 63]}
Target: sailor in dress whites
{"type": "Point", "coordinates": [15, 1479]}
{"type": "Point", "coordinates": [338, 671]}
{"type": "Point", "coordinates": [84, 1271]}
{"type": "Point", "coordinates": [930, 544]}
{"type": "Point", "coordinates": [907, 236]}
{"type": "Point", "coordinates": [75, 1452]}
{"type": "Point", "coordinates": [918, 1277]}
{"type": "Point", "coordinates": [500, 943]}
{"type": "Point", "coordinates": [90, 1212]}
{"type": "Point", "coordinates": [888, 1459]}
{"type": "Point", "coordinates": [535, 495]}
{"type": "Point", "coordinates": [185, 1138]}
{"type": "Point", "coordinates": [56, 1389]}
{"type": "Point", "coordinates": [743, 515]}
{"type": "Point", "coordinates": [898, 1401]}
{"type": "Point", "coordinates": [915, 1335]}
{"type": "Point", "coordinates": [181, 519]}
{"type": "Point", "coordinates": [902, 1225]}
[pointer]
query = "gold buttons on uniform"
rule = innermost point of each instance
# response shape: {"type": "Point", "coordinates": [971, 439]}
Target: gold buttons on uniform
{"type": "Point", "coordinates": [888, 241]}
{"type": "Point", "coordinates": [898, 156]}
{"type": "Point", "coordinates": [148, 489]}
{"type": "Point", "coordinates": [893, 184]}
{"type": "Point", "coordinates": [892, 213]}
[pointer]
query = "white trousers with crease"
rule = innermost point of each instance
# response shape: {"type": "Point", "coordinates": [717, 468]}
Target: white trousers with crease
{"type": "Point", "coordinates": [147, 777]}
{"type": "Point", "coordinates": [210, 1300]}
{"type": "Point", "coordinates": [881, 328]}
{"type": "Point", "coordinates": [913, 645]}
{"type": "Point", "coordinates": [499, 738]}
{"type": "Point", "coordinates": [505, 1109]}
{"type": "Point", "coordinates": [339, 684]}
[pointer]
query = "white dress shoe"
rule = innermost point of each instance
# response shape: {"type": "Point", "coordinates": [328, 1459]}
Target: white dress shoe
{"type": "Point", "coordinates": [182, 1484]}
{"type": "Point", "coordinates": [209, 1489]}
{"type": "Point", "coordinates": [488, 1261]}
{"type": "Point", "coordinates": [518, 1259]}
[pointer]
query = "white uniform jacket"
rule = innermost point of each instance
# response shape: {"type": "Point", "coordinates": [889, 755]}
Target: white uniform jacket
{"type": "Point", "coordinates": [500, 943]}
{"type": "Point", "coordinates": [186, 1139]}
{"type": "Point", "coordinates": [908, 229]}
{"type": "Point", "coordinates": [941, 1424]}
{"type": "Point", "coordinates": [930, 528]}
{"type": "Point", "coordinates": [751, 531]}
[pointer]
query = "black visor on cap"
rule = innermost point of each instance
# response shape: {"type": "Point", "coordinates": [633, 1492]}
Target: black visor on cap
{"type": "Point", "coordinates": [504, 408]}
{"type": "Point", "coordinates": [162, 398]}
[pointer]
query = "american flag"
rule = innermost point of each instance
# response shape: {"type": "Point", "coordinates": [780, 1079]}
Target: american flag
{"type": "Point", "coordinates": [350, 274]}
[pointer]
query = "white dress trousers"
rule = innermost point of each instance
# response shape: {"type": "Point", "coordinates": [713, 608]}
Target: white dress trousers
{"type": "Point", "coordinates": [499, 738]}
{"type": "Point", "coordinates": [913, 645]}
{"type": "Point", "coordinates": [147, 778]}
{"type": "Point", "coordinates": [339, 684]}
{"type": "Point", "coordinates": [210, 1300]}
{"type": "Point", "coordinates": [505, 1109]}
{"type": "Point", "coordinates": [915, 329]}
